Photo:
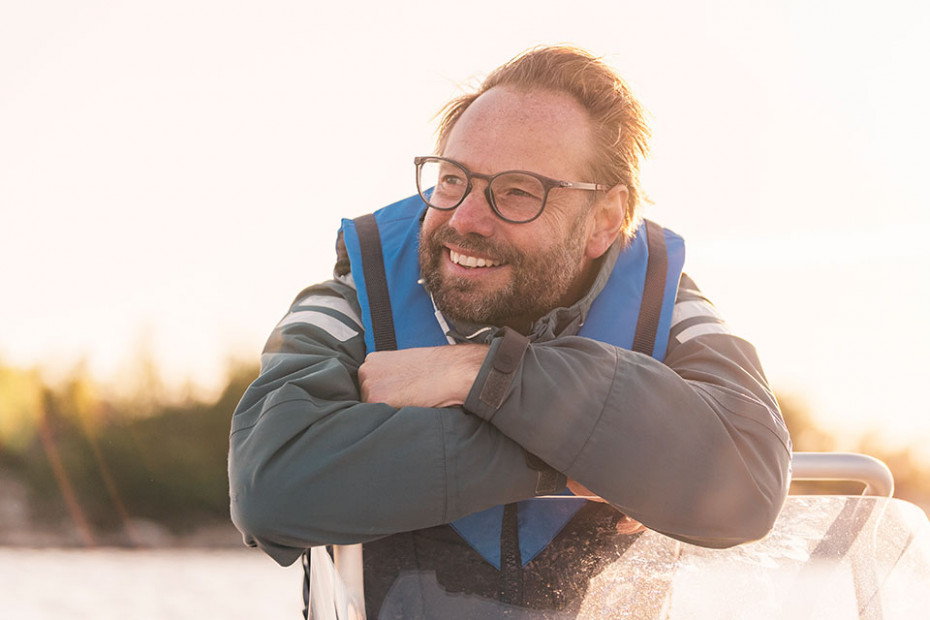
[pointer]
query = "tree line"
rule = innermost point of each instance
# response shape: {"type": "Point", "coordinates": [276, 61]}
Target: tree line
{"type": "Point", "coordinates": [102, 464]}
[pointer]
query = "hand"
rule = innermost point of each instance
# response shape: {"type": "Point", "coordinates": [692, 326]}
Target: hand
{"type": "Point", "coordinates": [424, 377]}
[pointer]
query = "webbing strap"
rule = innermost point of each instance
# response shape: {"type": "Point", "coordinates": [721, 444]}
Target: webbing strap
{"type": "Point", "coordinates": [653, 290]}
{"type": "Point", "coordinates": [511, 583]}
{"type": "Point", "coordinates": [379, 300]}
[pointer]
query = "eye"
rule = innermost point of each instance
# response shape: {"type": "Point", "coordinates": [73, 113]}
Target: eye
{"type": "Point", "coordinates": [518, 192]}
{"type": "Point", "coordinates": [450, 175]}
{"type": "Point", "coordinates": [451, 178]}
{"type": "Point", "coordinates": [518, 187]}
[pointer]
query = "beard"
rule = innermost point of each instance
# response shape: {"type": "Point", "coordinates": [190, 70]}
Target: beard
{"type": "Point", "coordinates": [538, 283]}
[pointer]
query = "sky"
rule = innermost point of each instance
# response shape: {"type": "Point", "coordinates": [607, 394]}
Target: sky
{"type": "Point", "coordinates": [172, 174]}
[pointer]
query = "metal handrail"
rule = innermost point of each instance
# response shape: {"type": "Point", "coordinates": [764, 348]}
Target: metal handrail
{"type": "Point", "coordinates": [844, 466]}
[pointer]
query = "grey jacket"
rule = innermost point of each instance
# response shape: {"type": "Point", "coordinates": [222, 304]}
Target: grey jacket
{"type": "Point", "coordinates": [694, 447]}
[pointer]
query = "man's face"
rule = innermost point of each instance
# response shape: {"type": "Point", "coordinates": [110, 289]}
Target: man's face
{"type": "Point", "coordinates": [482, 269]}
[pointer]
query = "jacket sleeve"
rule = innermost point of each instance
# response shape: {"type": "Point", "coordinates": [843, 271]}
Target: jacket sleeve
{"type": "Point", "coordinates": [309, 464]}
{"type": "Point", "coordinates": [694, 447]}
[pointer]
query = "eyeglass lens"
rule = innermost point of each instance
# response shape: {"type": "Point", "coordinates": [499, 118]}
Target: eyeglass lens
{"type": "Point", "coordinates": [518, 197]}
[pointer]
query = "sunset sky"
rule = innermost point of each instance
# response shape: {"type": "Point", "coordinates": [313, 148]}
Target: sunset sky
{"type": "Point", "coordinates": [173, 173]}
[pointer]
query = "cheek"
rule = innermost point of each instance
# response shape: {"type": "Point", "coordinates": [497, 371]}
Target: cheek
{"type": "Point", "coordinates": [563, 226]}
{"type": "Point", "coordinates": [528, 244]}
{"type": "Point", "coordinates": [433, 220]}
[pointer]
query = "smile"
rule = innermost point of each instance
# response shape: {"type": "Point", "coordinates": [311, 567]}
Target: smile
{"type": "Point", "coordinates": [464, 260]}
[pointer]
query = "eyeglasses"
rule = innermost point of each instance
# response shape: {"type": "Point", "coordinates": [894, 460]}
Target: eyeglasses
{"type": "Point", "coordinates": [516, 196]}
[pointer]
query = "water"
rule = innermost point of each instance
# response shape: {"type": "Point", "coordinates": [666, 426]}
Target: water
{"type": "Point", "coordinates": [143, 584]}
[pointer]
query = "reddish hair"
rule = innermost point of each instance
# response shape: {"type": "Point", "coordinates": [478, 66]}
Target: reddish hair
{"type": "Point", "coordinates": [618, 121]}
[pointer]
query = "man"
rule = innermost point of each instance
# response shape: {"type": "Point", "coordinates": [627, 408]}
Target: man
{"type": "Point", "coordinates": [582, 358]}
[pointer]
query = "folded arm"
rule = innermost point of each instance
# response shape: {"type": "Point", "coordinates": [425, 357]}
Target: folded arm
{"type": "Point", "coordinates": [311, 463]}
{"type": "Point", "coordinates": [694, 448]}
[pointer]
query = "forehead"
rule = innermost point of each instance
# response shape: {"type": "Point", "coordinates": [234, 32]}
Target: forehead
{"type": "Point", "coordinates": [508, 129]}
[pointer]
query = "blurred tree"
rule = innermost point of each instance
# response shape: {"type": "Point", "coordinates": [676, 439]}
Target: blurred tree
{"type": "Point", "coordinates": [806, 435]}
{"type": "Point", "coordinates": [20, 407]}
{"type": "Point", "coordinates": [102, 467]}
{"type": "Point", "coordinates": [912, 478]}
{"type": "Point", "coordinates": [99, 464]}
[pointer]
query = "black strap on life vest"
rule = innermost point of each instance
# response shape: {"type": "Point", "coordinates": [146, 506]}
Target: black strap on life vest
{"type": "Point", "coordinates": [511, 577]}
{"type": "Point", "coordinates": [653, 292]}
{"type": "Point", "coordinates": [379, 299]}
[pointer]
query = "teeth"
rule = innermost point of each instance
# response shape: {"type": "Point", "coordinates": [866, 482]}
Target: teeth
{"type": "Point", "coordinates": [471, 261]}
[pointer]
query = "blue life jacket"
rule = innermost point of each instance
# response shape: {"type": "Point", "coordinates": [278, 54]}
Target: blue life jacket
{"type": "Point", "coordinates": [612, 319]}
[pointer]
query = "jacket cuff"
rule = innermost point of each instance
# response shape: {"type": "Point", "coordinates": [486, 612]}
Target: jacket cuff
{"type": "Point", "coordinates": [496, 374]}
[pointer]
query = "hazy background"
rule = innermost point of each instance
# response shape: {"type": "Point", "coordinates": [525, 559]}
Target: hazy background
{"type": "Point", "coordinates": [173, 173]}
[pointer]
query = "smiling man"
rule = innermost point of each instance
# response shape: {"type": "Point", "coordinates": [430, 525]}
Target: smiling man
{"type": "Point", "coordinates": [482, 268]}
{"type": "Point", "coordinates": [514, 329]}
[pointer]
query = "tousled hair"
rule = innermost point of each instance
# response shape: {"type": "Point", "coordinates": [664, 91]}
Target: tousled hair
{"type": "Point", "coordinates": [618, 123]}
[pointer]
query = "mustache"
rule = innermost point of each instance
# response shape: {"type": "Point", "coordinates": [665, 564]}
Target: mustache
{"type": "Point", "coordinates": [473, 243]}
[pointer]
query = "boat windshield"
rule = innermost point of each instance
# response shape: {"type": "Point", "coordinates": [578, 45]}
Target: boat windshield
{"type": "Point", "coordinates": [827, 557]}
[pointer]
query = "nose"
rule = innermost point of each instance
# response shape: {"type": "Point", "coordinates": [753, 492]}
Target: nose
{"type": "Point", "coordinates": [474, 214]}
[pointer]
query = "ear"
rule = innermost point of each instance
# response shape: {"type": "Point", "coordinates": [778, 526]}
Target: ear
{"type": "Point", "coordinates": [607, 220]}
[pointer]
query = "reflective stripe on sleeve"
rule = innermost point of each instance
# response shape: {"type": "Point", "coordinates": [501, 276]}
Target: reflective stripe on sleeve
{"type": "Point", "coordinates": [685, 310]}
{"type": "Point", "coordinates": [338, 304]}
{"type": "Point", "coordinates": [328, 323]}
{"type": "Point", "coordinates": [701, 329]}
